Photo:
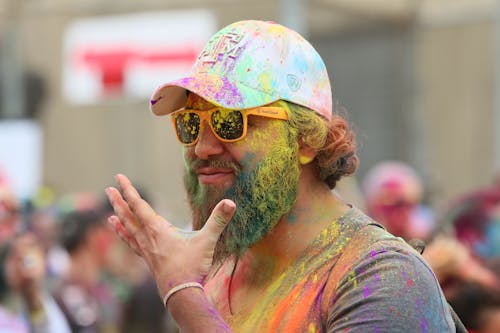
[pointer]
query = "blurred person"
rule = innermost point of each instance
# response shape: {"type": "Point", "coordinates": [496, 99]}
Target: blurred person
{"type": "Point", "coordinates": [25, 270]}
{"type": "Point", "coordinates": [143, 310]}
{"type": "Point", "coordinates": [454, 264]}
{"type": "Point", "coordinates": [468, 253]}
{"type": "Point", "coordinates": [25, 304]}
{"type": "Point", "coordinates": [273, 248]}
{"type": "Point", "coordinates": [125, 269]}
{"type": "Point", "coordinates": [43, 222]}
{"type": "Point", "coordinates": [475, 218]}
{"type": "Point", "coordinates": [10, 220]}
{"type": "Point", "coordinates": [478, 306]}
{"type": "Point", "coordinates": [85, 298]}
{"type": "Point", "coordinates": [393, 194]}
{"type": "Point", "coordinates": [10, 215]}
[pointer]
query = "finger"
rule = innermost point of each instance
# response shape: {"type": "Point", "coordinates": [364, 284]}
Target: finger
{"type": "Point", "coordinates": [122, 210]}
{"type": "Point", "coordinates": [220, 217]}
{"type": "Point", "coordinates": [125, 184]}
{"type": "Point", "coordinates": [120, 230]}
{"type": "Point", "coordinates": [138, 206]}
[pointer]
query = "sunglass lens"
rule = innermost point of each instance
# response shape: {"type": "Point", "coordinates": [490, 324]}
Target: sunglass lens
{"type": "Point", "coordinates": [228, 124]}
{"type": "Point", "coordinates": [188, 127]}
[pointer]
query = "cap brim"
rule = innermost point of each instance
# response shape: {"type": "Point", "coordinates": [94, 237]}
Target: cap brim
{"type": "Point", "coordinates": [172, 96]}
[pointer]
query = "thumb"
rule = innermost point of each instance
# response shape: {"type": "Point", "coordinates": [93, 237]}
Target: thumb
{"type": "Point", "coordinates": [220, 217]}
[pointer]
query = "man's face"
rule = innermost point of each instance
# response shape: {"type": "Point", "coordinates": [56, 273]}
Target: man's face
{"type": "Point", "coordinates": [259, 173]}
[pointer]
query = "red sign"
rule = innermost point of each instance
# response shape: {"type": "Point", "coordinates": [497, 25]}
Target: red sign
{"type": "Point", "coordinates": [129, 56]}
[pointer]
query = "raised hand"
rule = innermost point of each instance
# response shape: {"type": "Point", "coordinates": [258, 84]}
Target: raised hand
{"type": "Point", "coordinates": [174, 256]}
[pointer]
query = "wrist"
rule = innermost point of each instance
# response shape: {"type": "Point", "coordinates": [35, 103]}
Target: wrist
{"type": "Point", "coordinates": [178, 289]}
{"type": "Point", "coordinates": [193, 312]}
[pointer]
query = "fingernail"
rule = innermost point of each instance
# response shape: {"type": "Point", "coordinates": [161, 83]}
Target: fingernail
{"type": "Point", "coordinates": [228, 207]}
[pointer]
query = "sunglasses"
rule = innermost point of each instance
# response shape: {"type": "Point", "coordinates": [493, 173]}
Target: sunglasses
{"type": "Point", "coordinates": [227, 125]}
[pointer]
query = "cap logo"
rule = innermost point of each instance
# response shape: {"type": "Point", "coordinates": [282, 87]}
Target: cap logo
{"type": "Point", "coordinates": [293, 82]}
{"type": "Point", "coordinates": [225, 46]}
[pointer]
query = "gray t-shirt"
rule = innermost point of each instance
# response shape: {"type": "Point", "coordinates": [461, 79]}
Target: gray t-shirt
{"type": "Point", "coordinates": [386, 287]}
{"type": "Point", "coordinates": [354, 277]}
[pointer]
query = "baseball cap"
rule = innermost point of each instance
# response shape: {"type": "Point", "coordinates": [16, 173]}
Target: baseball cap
{"type": "Point", "coordinates": [249, 64]}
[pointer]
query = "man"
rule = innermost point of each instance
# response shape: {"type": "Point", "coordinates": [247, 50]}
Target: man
{"type": "Point", "coordinates": [275, 249]}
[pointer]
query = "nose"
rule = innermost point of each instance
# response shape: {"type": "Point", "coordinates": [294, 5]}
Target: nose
{"type": "Point", "coordinates": [208, 145]}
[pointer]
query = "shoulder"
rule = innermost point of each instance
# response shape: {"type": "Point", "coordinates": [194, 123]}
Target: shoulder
{"type": "Point", "coordinates": [386, 284]}
{"type": "Point", "coordinates": [370, 244]}
{"type": "Point", "coordinates": [392, 260]}
{"type": "Point", "coordinates": [374, 255]}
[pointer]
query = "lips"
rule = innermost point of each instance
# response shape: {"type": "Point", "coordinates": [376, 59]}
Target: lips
{"type": "Point", "coordinates": [209, 175]}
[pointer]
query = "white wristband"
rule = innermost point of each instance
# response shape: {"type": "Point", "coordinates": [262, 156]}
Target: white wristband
{"type": "Point", "coordinates": [180, 287]}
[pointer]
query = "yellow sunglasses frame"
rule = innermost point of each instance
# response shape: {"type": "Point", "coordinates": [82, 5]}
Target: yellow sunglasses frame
{"type": "Point", "coordinates": [274, 112]}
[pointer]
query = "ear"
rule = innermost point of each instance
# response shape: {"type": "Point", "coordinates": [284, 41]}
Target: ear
{"type": "Point", "coordinates": [306, 153]}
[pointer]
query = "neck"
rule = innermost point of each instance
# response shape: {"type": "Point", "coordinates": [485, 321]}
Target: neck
{"type": "Point", "coordinates": [315, 209]}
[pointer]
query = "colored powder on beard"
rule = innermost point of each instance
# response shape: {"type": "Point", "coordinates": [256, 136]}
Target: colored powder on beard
{"type": "Point", "coordinates": [270, 190]}
{"type": "Point", "coordinates": [262, 195]}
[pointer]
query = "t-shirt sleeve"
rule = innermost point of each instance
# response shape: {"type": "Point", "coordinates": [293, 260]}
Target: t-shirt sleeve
{"type": "Point", "coordinates": [389, 289]}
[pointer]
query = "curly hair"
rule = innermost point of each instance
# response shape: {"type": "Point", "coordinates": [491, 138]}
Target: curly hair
{"type": "Point", "coordinates": [334, 140]}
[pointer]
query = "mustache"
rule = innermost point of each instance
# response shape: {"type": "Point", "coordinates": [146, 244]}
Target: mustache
{"type": "Point", "coordinates": [214, 163]}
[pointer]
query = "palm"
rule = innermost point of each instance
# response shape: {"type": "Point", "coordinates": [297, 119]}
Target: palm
{"type": "Point", "coordinates": [173, 255]}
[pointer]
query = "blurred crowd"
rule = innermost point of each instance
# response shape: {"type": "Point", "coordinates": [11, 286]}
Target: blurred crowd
{"type": "Point", "coordinates": [64, 270]}
{"type": "Point", "coordinates": [461, 243]}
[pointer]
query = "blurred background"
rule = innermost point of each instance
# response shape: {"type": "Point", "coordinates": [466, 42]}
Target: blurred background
{"type": "Point", "coordinates": [418, 78]}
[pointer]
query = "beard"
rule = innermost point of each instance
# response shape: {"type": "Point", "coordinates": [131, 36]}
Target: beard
{"type": "Point", "coordinates": [262, 196]}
